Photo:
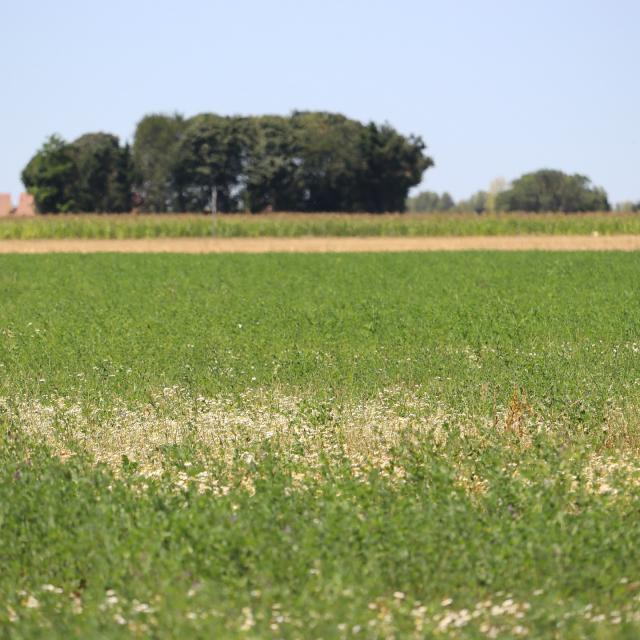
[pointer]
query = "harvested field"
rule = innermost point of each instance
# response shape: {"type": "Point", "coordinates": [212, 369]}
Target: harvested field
{"type": "Point", "coordinates": [325, 244]}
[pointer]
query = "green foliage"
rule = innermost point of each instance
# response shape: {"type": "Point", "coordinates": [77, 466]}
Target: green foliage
{"type": "Point", "coordinates": [327, 162]}
{"type": "Point", "coordinates": [212, 156]}
{"type": "Point", "coordinates": [430, 201]}
{"type": "Point", "coordinates": [549, 190]}
{"type": "Point", "coordinates": [468, 509]}
{"type": "Point", "coordinates": [477, 203]}
{"type": "Point", "coordinates": [104, 173]}
{"type": "Point", "coordinates": [364, 314]}
{"type": "Point", "coordinates": [297, 225]}
{"type": "Point", "coordinates": [51, 175]}
{"type": "Point", "coordinates": [309, 161]}
{"type": "Point", "coordinates": [92, 174]}
{"type": "Point", "coordinates": [154, 153]}
{"type": "Point", "coordinates": [392, 165]}
{"type": "Point", "coordinates": [273, 180]}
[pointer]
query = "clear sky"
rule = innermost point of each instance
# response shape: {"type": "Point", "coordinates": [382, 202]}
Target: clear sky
{"type": "Point", "coordinates": [495, 87]}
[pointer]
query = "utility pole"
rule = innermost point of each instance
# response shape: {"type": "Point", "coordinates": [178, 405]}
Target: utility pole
{"type": "Point", "coordinates": [214, 210]}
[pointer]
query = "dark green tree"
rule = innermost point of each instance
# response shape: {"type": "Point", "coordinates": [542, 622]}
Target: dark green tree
{"type": "Point", "coordinates": [51, 177]}
{"type": "Point", "coordinates": [122, 188]}
{"type": "Point", "coordinates": [551, 190]}
{"type": "Point", "coordinates": [212, 156]}
{"type": "Point", "coordinates": [390, 164]}
{"type": "Point", "coordinates": [309, 161]}
{"type": "Point", "coordinates": [328, 162]}
{"type": "Point", "coordinates": [104, 173]}
{"type": "Point", "coordinates": [317, 161]}
{"type": "Point", "coordinates": [155, 144]}
{"type": "Point", "coordinates": [273, 177]}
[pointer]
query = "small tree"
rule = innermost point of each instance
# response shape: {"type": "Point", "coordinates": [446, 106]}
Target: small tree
{"type": "Point", "coordinates": [477, 202]}
{"type": "Point", "coordinates": [497, 186]}
{"type": "Point", "coordinates": [430, 201]}
{"type": "Point", "coordinates": [51, 176]}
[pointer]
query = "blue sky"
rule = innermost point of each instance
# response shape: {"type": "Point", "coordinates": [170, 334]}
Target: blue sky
{"type": "Point", "coordinates": [495, 87]}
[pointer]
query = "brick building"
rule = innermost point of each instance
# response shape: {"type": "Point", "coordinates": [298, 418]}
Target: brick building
{"type": "Point", "coordinates": [26, 205]}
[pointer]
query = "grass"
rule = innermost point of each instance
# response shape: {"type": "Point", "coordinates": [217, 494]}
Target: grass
{"type": "Point", "coordinates": [328, 446]}
{"type": "Point", "coordinates": [295, 225]}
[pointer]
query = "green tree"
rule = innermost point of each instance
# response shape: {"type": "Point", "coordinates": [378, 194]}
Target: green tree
{"type": "Point", "coordinates": [424, 202]}
{"type": "Point", "coordinates": [328, 161]}
{"type": "Point", "coordinates": [104, 173]}
{"type": "Point", "coordinates": [391, 165]}
{"type": "Point", "coordinates": [446, 202]}
{"type": "Point", "coordinates": [155, 144]}
{"type": "Point", "coordinates": [476, 202]}
{"type": "Point", "coordinates": [551, 190]}
{"type": "Point", "coordinates": [309, 161]}
{"type": "Point", "coordinates": [212, 156]}
{"type": "Point", "coordinates": [51, 175]}
{"type": "Point", "coordinates": [273, 177]}
{"type": "Point", "coordinates": [430, 201]}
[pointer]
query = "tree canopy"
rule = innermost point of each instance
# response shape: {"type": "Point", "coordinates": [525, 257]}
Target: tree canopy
{"type": "Point", "coordinates": [104, 173]}
{"type": "Point", "coordinates": [308, 161]}
{"type": "Point", "coordinates": [153, 153]}
{"type": "Point", "coordinates": [50, 176]}
{"type": "Point", "coordinates": [91, 174]}
{"type": "Point", "coordinates": [544, 190]}
{"type": "Point", "coordinates": [430, 202]}
{"type": "Point", "coordinates": [551, 190]}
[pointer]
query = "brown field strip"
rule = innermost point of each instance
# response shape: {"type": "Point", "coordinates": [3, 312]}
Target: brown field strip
{"type": "Point", "coordinates": [326, 244]}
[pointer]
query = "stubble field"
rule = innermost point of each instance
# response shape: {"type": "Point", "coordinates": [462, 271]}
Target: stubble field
{"type": "Point", "coordinates": [320, 446]}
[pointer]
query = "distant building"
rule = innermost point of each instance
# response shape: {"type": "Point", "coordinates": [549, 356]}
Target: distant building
{"type": "Point", "coordinates": [5, 205]}
{"type": "Point", "coordinates": [26, 206]}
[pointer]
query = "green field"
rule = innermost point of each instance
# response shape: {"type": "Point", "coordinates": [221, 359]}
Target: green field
{"type": "Point", "coordinates": [320, 446]}
{"type": "Point", "coordinates": [296, 225]}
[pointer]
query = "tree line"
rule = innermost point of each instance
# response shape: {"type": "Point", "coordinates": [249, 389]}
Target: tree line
{"type": "Point", "coordinates": [543, 190]}
{"type": "Point", "coordinates": [308, 161]}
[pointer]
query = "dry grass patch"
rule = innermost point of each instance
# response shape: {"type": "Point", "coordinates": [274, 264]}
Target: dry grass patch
{"type": "Point", "coordinates": [231, 434]}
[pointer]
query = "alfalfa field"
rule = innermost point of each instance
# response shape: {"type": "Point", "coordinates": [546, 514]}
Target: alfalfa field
{"type": "Point", "coordinates": [320, 446]}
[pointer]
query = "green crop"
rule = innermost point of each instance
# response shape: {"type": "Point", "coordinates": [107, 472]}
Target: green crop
{"type": "Point", "coordinates": [331, 446]}
{"type": "Point", "coordinates": [296, 225]}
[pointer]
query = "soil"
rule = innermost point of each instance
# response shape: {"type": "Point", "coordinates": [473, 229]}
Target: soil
{"type": "Point", "coordinates": [326, 244]}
